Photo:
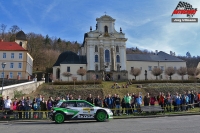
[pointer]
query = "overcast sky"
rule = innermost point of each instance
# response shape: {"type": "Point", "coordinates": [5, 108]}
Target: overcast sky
{"type": "Point", "coordinates": [146, 23]}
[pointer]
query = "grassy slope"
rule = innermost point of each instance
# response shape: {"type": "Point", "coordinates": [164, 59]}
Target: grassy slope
{"type": "Point", "coordinates": [105, 89]}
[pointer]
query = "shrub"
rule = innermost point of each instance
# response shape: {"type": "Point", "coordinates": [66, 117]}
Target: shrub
{"type": "Point", "coordinates": [77, 82]}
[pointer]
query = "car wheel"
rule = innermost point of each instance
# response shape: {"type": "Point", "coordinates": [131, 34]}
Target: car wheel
{"type": "Point", "coordinates": [101, 116]}
{"type": "Point", "coordinates": [59, 118]}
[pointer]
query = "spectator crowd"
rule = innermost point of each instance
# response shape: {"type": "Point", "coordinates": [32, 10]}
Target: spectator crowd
{"type": "Point", "coordinates": [128, 104]}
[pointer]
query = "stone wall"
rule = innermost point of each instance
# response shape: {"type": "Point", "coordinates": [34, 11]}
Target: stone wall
{"type": "Point", "coordinates": [25, 88]}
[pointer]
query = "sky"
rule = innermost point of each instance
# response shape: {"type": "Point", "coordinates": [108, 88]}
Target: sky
{"type": "Point", "coordinates": [146, 23]}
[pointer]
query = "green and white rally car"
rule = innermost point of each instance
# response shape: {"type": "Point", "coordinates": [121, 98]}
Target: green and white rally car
{"type": "Point", "coordinates": [79, 110]}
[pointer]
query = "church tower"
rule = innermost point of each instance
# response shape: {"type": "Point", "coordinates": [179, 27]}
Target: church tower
{"type": "Point", "coordinates": [105, 49]}
{"type": "Point", "coordinates": [21, 39]}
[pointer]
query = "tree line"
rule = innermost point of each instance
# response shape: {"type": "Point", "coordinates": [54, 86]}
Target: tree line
{"type": "Point", "coordinates": [157, 71]}
{"type": "Point", "coordinates": [44, 49]}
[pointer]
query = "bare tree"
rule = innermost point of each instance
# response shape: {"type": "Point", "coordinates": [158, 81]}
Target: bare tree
{"type": "Point", "coordinates": [14, 29]}
{"type": "Point", "coordinates": [156, 72]}
{"type": "Point", "coordinates": [193, 71]}
{"type": "Point", "coordinates": [81, 72]}
{"type": "Point", "coordinates": [67, 74]}
{"type": "Point", "coordinates": [170, 71]}
{"type": "Point", "coordinates": [3, 28]}
{"type": "Point", "coordinates": [182, 71]}
{"type": "Point", "coordinates": [135, 72]}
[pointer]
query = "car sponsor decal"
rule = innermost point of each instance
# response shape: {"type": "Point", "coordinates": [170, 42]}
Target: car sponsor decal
{"type": "Point", "coordinates": [85, 116]}
{"type": "Point", "coordinates": [86, 110]}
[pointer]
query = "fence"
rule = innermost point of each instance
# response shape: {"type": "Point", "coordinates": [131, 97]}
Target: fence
{"type": "Point", "coordinates": [38, 115]}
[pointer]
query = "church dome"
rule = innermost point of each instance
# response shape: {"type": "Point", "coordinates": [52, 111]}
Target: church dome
{"type": "Point", "coordinates": [105, 18]}
{"type": "Point", "coordinates": [69, 57]}
{"type": "Point", "coordinates": [21, 36]}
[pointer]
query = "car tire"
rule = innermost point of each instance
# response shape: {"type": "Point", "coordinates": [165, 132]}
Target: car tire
{"type": "Point", "coordinates": [101, 116]}
{"type": "Point", "coordinates": [59, 118]}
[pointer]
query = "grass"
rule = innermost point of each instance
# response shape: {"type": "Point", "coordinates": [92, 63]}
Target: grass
{"type": "Point", "coordinates": [121, 91]}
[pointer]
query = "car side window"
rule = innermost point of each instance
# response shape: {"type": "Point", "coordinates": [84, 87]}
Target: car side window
{"type": "Point", "coordinates": [70, 104]}
{"type": "Point", "coordinates": [83, 104]}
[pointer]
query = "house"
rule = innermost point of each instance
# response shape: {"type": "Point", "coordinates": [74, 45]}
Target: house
{"type": "Point", "coordinates": [19, 63]}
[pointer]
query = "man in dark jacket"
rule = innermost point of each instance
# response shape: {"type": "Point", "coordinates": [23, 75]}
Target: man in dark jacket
{"type": "Point", "coordinates": [109, 102]}
{"type": "Point", "coordinates": [98, 101]}
{"type": "Point", "coordinates": [90, 99]}
{"type": "Point", "coordinates": [1, 103]}
{"type": "Point", "coordinates": [117, 103]}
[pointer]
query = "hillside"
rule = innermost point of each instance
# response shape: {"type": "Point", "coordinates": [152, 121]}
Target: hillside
{"type": "Point", "coordinates": [105, 89]}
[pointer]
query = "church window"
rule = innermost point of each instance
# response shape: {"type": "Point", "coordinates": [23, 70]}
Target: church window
{"type": "Point", "coordinates": [150, 68]}
{"type": "Point", "coordinates": [96, 67]}
{"type": "Point", "coordinates": [20, 43]}
{"type": "Point", "coordinates": [68, 69]}
{"type": "Point", "coordinates": [96, 48]}
{"type": "Point", "coordinates": [107, 56]}
{"type": "Point", "coordinates": [106, 29]}
{"type": "Point", "coordinates": [118, 59]}
{"type": "Point", "coordinates": [117, 49]}
{"type": "Point", "coordinates": [96, 58]}
{"type": "Point", "coordinates": [118, 67]}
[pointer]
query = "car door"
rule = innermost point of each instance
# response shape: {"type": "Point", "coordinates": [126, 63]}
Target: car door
{"type": "Point", "coordinates": [86, 110]}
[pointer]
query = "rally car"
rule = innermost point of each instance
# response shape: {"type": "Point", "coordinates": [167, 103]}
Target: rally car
{"type": "Point", "coordinates": [79, 110]}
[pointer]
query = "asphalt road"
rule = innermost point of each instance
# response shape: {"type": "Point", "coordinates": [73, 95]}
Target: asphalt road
{"type": "Point", "coordinates": [178, 124]}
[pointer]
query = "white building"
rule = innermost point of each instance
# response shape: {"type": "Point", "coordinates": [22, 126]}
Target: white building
{"type": "Point", "coordinates": [103, 55]}
{"type": "Point", "coordinates": [19, 62]}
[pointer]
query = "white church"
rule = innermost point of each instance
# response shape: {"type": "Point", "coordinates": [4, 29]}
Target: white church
{"type": "Point", "coordinates": [103, 56]}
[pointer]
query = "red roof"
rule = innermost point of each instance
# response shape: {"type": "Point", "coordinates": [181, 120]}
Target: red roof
{"type": "Point", "coordinates": [10, 46]}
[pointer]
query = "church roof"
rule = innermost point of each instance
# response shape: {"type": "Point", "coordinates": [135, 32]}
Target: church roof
{"type": "Point", "coordinates": [69, 57]}
{"type": "Point", "coordinates": [10, 46]}
{"type": "Point", "coordinates": [85, 35]}
{"type": "Point", "coordinates": [21, 36]}
{"type": "Point", "coordinates": [105, 18]}
{"type": "Point", "coordinates": [160, 56]}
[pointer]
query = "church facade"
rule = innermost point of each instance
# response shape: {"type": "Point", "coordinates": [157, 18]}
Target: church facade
{"type": "Point", "coordinates": [103, 56]}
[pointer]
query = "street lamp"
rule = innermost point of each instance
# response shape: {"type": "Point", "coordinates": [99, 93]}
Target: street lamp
{"type": "Point", "coordinates": [48, 77]}
{"type": "Point", "coordinates": [3, 66]}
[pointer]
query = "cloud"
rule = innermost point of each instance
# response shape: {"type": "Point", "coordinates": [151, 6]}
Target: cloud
{"type": "Point", "coordinates": [49, 8]}
{"type": "Point", "coordinates": [176, 37]}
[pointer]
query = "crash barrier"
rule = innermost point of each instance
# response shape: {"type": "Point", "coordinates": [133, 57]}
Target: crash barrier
{"type": "Point", "coordinates": [147, 110]}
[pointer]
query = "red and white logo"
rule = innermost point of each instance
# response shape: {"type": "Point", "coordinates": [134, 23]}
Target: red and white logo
{"type": "Point", "coordinates": [185, 8]}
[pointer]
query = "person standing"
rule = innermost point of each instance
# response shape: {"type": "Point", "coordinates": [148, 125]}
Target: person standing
{"type": "Point", "coordinates": [98, 101]}
{"type": "Point", "coordinates": [38, 100]}
{"type": "Point", "coordinates": [7, 105]}
{"type": "Point", "coordinates": [90, 99]}
{"type": "Point", "coordinates": [161, 100]}
{"type": "Point", "coordinates": [138, 102]}
{"type": "Point", "coordinates": [43, 106]}
{"type": "Point", "coordinates": [146, 100]}
{"type": "Point", "coordinates": [152, 100]}
{"type": "Point", "coordinates": [27, 107]}
{"type": "Point", "coordinates": [79, 97]}
{"type": "Point", "coordinates": [127, 100]}
{"type": "Point", "coordinates": [109, 102]}
{"type": "Point", "coordinates": [1, 103]}
{"type": "Point", "coordinates": [49, 105]}
{"type": "Point", "coordinates": [169, 102]}
{"type": "Point", "coordinates": [117, 103]}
